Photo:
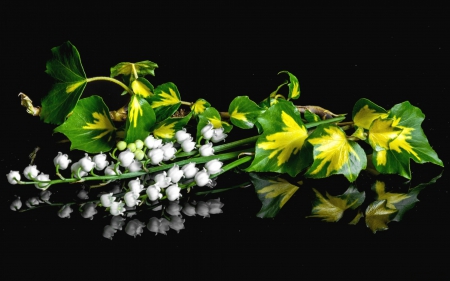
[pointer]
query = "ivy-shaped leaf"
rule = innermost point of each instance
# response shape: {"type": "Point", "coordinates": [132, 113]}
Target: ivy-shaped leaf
{"type": "Point", "coordinates": [311, 117]}
{"type": "Point", "coordinates": [278, 149]}
{"type": "Point", "coordinates": [410, 141]}
{"type": "Point", "coordinates": [166, 129]}
{"type": "Point", "coordinates": [211, 115]}
{"type": "Point", "coordinates": [273, 192]}
{"type": "Point", "coordinates": [378, 215]}
{"type": "Point", "coordinates": [243, 112]}
{"type": "Point", "coordinates": [335, 154]}
{"type": "Point", "coordinates": [65, 67]}
{"type": "Point", "coordinates": [141, 119]}
{"type": "Point", "coordinates": [131, 70]}
{"type": "Point", "coordinates": [294, 86]}
{"type": "Point", "coordinates": [199, 106]}
{"type": "Point", "coordinates": [89, 127]}
{"type": "Point", "coordinates": [165, 101]}
{"type": "Point", "coordinates": [143, 88]}
{"type": "Point", "coordinates": [331, 208]}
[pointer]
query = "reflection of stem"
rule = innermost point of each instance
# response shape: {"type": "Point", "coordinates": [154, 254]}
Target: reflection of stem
{"type": "Point", "coordinates": [242, 185]}
{"type": "Point", "coordinates": [111, 80]}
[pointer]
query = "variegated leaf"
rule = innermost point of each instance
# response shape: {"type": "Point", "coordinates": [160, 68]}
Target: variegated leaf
{"type": "Point", "coordinates": [378, 215]}
{"type": "Point", "coordinates": [211, 115]}
{"type": "Point", "coordinates": [141, 119]}
{"type": "Point", "coordinates": [143, 88]}
{"type": "Point", "coordinates": [166, 129]}
{"type": "Point", "coordinates": [165, 101]}
{"type": "Point", "coordinates": [131, 71]}
{"type": "Point", "coordinates": [294, 85]}
{"type": "Point", "coordinates": [243, 112]}
{"type": "Point", "coordinates": [199, 106]}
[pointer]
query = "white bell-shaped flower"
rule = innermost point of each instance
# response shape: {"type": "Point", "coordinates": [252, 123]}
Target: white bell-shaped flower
{"type": "Point", "coordinates": [135, 186]}
{"type": "Point", "coordinates": [207, 131]}
{"type": "Point", "coordinates": [107, 199]}
{"type": "Point", "coordinates": [213, 166]}
{"type": "Point", "coordinates": [189, 170]}
{"type": "Point", "coordinates": [86, 163]}
{"type": "Point", "coordinates": [162, 180]}
{"type": "Point", "coordinates": [206, 149]}
{"type": "Point", "coordinates": [65, 211]}
{"type": "Point", "coordinates": [110, 170]}
{"type": "Point", "coordinates": [117, 208]}
{"type": "Point", "coordinates": [76, 169]}
{"type": "Point", "coordinates": [131, 199]}
{"type": "Point", "coordinates": [134, 227]}
{"type": "Point", "coordinates": [175, 174]}
{"type": "Point", "coordinates": [100, 161]}
{"type": "Point", "coordinates": [62, 160]}
{"type": "Point", "coordinates": [13, 177]}
{"type": "Point", "coordinates": [188, 145]}
{"type": "Point", "coordinates": [169, 151]}
{"type": "Point", "coordinates": [153, 192]}
{"type": "Point", "coordinates": [173, 192]}
{"type": "Point", "coordinates": [152, 143]}
{"type": "Point", "coordinates": [156, 155]}
{"type": "Point", "coordinates": [202, 178]}
{"type": "Point", "coordinates": [42, 177]}
{"type": "Point", "coordinates": [135, 166]}
{"type": "Point", "coordinates": [218, 135]}
{"type": "Point", "coordinates": [125, 158]}
{"type": "Point", "coordinates": [30, 172]}
{"type": "Point", "coordinates": [182, 135]}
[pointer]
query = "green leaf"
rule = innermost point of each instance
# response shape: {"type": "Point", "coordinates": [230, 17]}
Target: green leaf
{"type": "Point", "coordinates": [199, 106]}
{"type": "Point", "coordinates": [294, 86]}
{"type": "Point", "coordinates": [273, 192]}
{"type": "Point", "coordinates": [211, 115]}
{"type": "Point", "coordinates": [409, 141]}
{"type": "Point", "coordinates": [143, 88]}
{"type": "Point", "coordinates": [311, 117]}
{"type": "Point", "coordinates": [166, 129]}
{"type": "Point", "coordinates": [378, 215]}
{"type": "Point", "coordinates": [165, 101]}
{"type": "Point", "coordinates": [244, 112]}
{"type": "Point", "coordinates": [331, 208]}
{"type": "Point", "coordinates": [278, 149]}
{"type": "Point", "coordinates": [89, 127]}
{"type": "Point", "coordinates": [141, 119]}
{"type": "Point", "coordinates": [65, 67]}
{"type": "Point", "coordinates": [335, 154]}
{"type": "Point", "coordinates": [131, 70]}
{"type": "Point", "coordinates": [365, 112]}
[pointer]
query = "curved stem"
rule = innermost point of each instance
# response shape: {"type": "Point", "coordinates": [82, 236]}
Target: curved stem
{"type": "Point", "coordinates": [105, 78]}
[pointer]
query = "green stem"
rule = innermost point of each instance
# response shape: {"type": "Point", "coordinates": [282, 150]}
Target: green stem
{"type": "Point", "coordinates": [105, 78]}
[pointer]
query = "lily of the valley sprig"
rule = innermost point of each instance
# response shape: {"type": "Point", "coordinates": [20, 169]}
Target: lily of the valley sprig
{"type": "Point", "coordinates": [157, 148]}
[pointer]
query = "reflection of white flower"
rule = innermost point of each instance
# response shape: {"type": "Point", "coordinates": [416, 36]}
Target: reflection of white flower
{"type": "Point", "coordinates": [214, 166]}
{"type": "Point", "coordinates": [202, 178]}
{"type": "Point", "coordinates": [62, 160]}
{"type": "Point", "coordinates": [107, 199]}
{"type": "Point", "coordinates": [16, 204]}
{"type": "Point", "coordinates": [188, 209]}
{"type": "Point", "coordinates": [134, 227]}
{"type": "Point", "coordinates": [30, 172]}
{"type": "Point", "coordinates": [176, 223]}
{"type": "Point", "coordinates": [13, 177]}
{"type": "Point", "coordinates": [65, 211]}
{"type": "Point", "coordinates": [202, 209]}
{"type": "Point", "coordinates": [89, 210]}
{"type": "Point", "coordinates": [215, 206]}
{"type": "Point", "coordinates": [175, 174]}
{"type": "Point", "coordinates": [117, 208]}
{"type": "Point", "coordinates": [108, 232]}
{"type": "Point", "coordinates": [173, 192]}
{"type": "Point", "coordinates": [100, 161]}
{"type": "Point", "coordinates": [189, 170]}
{"type": "Point", "coordinates": [206, 149]}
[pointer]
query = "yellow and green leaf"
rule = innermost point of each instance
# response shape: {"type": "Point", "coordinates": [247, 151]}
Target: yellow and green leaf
{"type": "Point", "coordinates": [211, 116]}
{"type": "Point", "coordinates": [66, 68]}
{"type": "Point", "coordinates": [143, 88]}
{"type": "Point", "coordinates": [294, 86]}
{"type": "Point", "coordinates": [165, 101]}
{"type": "Point", "coordinates": [244, 112]}
{"type": "Point", "coordinates": [335, 154]}
{"type": "Point", "coordinates": [273, 192]}
{"type": "Point", "coordinates": [199, 106]}
{"type": "Point", "coordinates": [331, 208]}
{"type": "Point", "coordinates": [405, 140]}
{"type": "Point", "coordinates": [166, 129]}
{"type": "Point", "coordinates": [279, 147]}
{"type": "Point", "coordinates": [365, 112]}
{"type": "Point", "coordinates": [141, 119]}
{"type": "Point", "coordinates": [311, 117]}
{"type": "Point", "coordinates": [378, 215]}
{"type": "Point", "coordinates": [130, 71]}
{"type": "Point", "coordinates": [89, 127]}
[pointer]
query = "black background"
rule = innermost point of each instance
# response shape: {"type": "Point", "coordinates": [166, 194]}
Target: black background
{"type": "Point", "coordinates": [217, 52]}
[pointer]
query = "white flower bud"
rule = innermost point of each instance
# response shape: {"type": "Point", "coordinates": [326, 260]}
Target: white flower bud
{"type": "Point", "coordinates": [175, 174]}
{"type": "Point", "coordinates": [207, 131]}
{"type": "Point", "coordinates": [202, 178]}
{"type": "Point", "coordinates": [30, 172]}
{"type": "Point", "coordinates": [153, 192]}
{"type": "Point", "coordinates": [100, 161]}
{"type": "Point", "coordinates": [13, 177]}
{"type": "Point", "coordinates": [125, 158]}
{"type": "Point", "coordinates": [156, 156]}
{"type": "Point", "coordinates": [214, 166]}
{"type": "Point", "coordinates": [107, 200]}
{"type": "Point", "coordinates": [206, 149]}
{"type": "Point", "coordinates": [182, 135]}
{"type": "Point", "coordinates": [188, 145]}
{"type": "Point", "coordinates": [189, 170]}
{"type": "Point", "coordinates": [62, 160]}
{"type": "Point", "coordinates": [173, 192]}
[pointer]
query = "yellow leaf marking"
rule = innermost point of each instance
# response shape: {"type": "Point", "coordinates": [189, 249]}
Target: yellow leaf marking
{"type": "Point", "coordinates": [216, 122]}
{"type": "Point", "coordinates": [391, 198]}
{"type": "Point", "coordinates": [167, 99]}
{"type": "Point", "coordinates": [377, 215]}
{"type": "Point", "coordinates": [135, 110]}
{"type": "Point", "coordinates": [239, 115]}
{"type": "Point", "coordinates": [101, 122]}
{"type": "Point", "coordinates": [295, 90]}
{"type": "Point", "coordinates": [401, 140]}
{"type": "Point", "coordinates": [285, 143]}
{"type": "Point", "coordinates": [277, 188]}
{"type": "Point", "coordinates": [199, 106]}
{"type": "Point", "coordinates": [382, 132]}
{"type": "Point", "coordinates": [331, 209]}
{"type": "Point", "coordinates": [165, 131]}
{"type": "Point", "coordinates": [334, 148]}
{"type": "Point", "coordinates": [141, 89]}
{"type": "Point", "coordinates": [366, 115]}
{"type": "Point", "coordinates": [74, 86]}
{"type": "Point", "coordinates": [381, 157]}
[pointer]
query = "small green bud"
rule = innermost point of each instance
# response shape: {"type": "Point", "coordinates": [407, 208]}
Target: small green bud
{"type": "Point", "coordinates": [139, 144]}
{"type": "Point", "coordinates": [132, 147]}
{"type": "Point", "coordinates": [139, 154]}
{"type": "Point", "coordinates": [121, 145]}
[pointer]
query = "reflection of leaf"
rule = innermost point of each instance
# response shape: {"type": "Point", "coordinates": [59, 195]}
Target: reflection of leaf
{"type": "Point", "coordinates": [278, 149]}
{"type": "Point", "coordinates": [378, 215]}
{"type": "Point", "coordinates": [331, 208]}
{"type": "Point", "coordinates": [89, 127]}
{"type": "Point", "coordinates": [65, 67]}
{"type": "Point", "coordinates": [334, 154]}
{"type": "Point", "coordinates": [273, 192]}
{"type": "Point", "coordinates": [243, 112]}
